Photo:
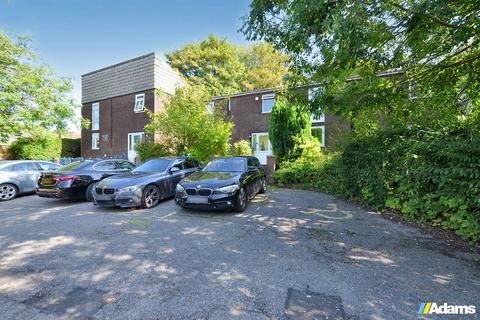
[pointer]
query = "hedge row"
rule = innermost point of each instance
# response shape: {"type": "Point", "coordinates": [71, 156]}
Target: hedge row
{"type": "Point", "coordinates": [427, 176]}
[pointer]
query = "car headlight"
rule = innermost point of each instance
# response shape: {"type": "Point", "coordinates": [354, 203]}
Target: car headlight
{"type": "Point", "coordinates": [180, 188]}
{"type": "Point", "coordinates": [228, 189]}
{"type": "Point", "coordinates": [128, 189]}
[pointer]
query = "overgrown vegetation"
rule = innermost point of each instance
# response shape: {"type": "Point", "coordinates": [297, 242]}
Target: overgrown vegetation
{"type": "Point", "coordinates": [407, 74]}
{"type": "Point", "coordinates": [71, 148]}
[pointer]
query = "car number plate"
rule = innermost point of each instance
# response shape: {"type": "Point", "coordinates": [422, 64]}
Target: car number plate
{"type": "Point", "coordinates": [197, 200]}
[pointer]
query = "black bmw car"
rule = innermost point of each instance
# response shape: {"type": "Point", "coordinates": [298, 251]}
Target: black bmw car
{"type": "Point", "coordinates": [78, 179]}
{"type": "Point", "coordinates": [146, 185]}
{"type": "Point", "coordinates": [225, 183]}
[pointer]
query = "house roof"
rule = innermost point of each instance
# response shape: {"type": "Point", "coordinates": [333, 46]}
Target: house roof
{"type": "Point", "coordinates": [145, 72]}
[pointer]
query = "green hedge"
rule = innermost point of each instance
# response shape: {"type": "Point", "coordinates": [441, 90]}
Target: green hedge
{"type": "Point", "coordinates": [45, 146]}
{"type": "Point", "coordinates": [71, 148]}
{"type": "Point", "coordinates": [426, 175]}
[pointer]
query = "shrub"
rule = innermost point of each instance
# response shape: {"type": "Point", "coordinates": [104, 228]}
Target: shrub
{"type": "Point", "coordinates": [71, 148]}
{"type": "Point", "coordinates": [426, 175]}
{"type": "Point", "coordinates": [41, 146]}
{"type": "Point", "coordinates": [289, 126]}
{"type": "Point", "coordinates": [148, 149]}
{"type": "Point", "coordinates": [242, 148]}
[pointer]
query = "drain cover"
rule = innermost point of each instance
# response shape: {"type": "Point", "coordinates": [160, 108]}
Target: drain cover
{"type": "Point", "coordinates": [310, 305]}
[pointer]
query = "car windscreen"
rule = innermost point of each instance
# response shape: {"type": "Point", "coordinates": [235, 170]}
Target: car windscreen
{"type": "Point", "coordinates": [77, 165]}
{"type": "Point", "coordinates": [155, 165]}
{"type": "Point", "coordinates": [225, 165]}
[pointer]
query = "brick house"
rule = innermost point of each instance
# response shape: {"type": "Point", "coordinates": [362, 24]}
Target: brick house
{"type": "Point", "coordinates": [250, 112]}
{"type": "Point", "coordinates": [114, 100]}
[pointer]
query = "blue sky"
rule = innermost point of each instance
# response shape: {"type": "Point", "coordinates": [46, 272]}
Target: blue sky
{"type": "Point", "coordinates": [78, 36]}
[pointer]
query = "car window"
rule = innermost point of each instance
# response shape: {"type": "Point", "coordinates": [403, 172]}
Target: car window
{"type": "Point", "coordinates": [226, 165]}
{"type": "Point", "coordinates": [190, 163]}
{"type": "Point", "coordinates": [178, 163]}
{"type": "Point", "coordinates": [7, 168]}
{"type": "Point", "coordinates": [25, 166]}
{"type": "Point", "coordinates": [44, 166]}
{"type": "Point", "coordinates": [77, 165]}
{"type": "Point", "coordinates": [105, 166]}
{"type": "Point", "coordinates": [154, 165]}
{"type": "Point", "coordinates": [124, 165]}
{"type": "Point", "coordinates": [257, 162]}
{"type": "Point", "coordinates": [250, 162]}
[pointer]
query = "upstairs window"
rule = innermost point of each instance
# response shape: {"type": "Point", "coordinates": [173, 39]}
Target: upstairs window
{"type": "Point", "coordinates": [268, 100]}
{"type": "Point", "coordinates": [95, 116]}
{"type": "Point", "coordinates": [211, 107]}
{"type": "Point", "coordinates": [312, 95]}
{"type": "Point", "coordinates": [139, 102]}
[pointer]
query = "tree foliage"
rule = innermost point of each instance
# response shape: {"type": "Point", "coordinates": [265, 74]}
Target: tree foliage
{"type": "Point", "coordinates": [31, 96]}
{"type": "Point", "coordinates": [223, 67]}
{"type": "Point", "coordinates": [185, 127]}
{"type": "Point", "coordinates": [242, 148]}
{"type": "Point", "coordinates": [289, 128]}
{"type": "Point", "coordinates": [435, 44]}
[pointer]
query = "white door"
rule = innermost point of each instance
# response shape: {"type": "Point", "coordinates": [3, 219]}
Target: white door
{"type": "Point", "coordinates": [133, 139]}
{"type": "Point", "coordinates": [261, 146]}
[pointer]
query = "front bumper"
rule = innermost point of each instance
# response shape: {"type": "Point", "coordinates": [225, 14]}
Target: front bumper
{"type": "Point", "coordinates": [118, 199]}
{"type": "Point", "coordinates": [214, 201]}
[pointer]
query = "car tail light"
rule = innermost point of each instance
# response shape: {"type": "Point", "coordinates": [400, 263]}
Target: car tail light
{"type": "Point", "coordinates": [68, 178]}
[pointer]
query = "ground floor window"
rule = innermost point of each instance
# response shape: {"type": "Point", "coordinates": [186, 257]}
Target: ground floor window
{"type": "Point", "coordinates": [134, 138]}
{"type": "Point", "coordinates": [319, 133]}
{"type": "Point", "coordinates": [95, 141]}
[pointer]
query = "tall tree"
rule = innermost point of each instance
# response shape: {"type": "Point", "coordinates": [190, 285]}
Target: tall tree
{"type": "Point", "coordinates": [31, 96]}
{"type": "Point", "coordinates": [223, 67]}
{"type": "Point", "coordinates": [435, 43]}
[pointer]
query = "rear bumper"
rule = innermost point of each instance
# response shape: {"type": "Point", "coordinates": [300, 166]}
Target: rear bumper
{"type": "Point", "coordinates": [215, 202]}
{"type": "Point", "coordinates": [60, 193]}
{"type": "Point", "coordinates": [123, 200]}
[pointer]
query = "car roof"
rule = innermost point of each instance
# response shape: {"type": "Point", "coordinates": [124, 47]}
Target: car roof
{"type": "Point", "coordinates": [169, 158]}
{"type": "Point", "coordinates": [8, 162]}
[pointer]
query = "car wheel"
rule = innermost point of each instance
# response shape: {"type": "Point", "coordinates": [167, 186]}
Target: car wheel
{"type": "Point", "coordinates": [263, 185]}
{"type": "Point", "coordinates": [8, 191]}
{"type": "Point", "coordinates": [89, 191]}
{"type": "Point", "coordinates": [150, 196]}
{"type": "Point", "coordinates": [241, 201]}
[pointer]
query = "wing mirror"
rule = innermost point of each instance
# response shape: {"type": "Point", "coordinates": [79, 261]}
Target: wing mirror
{"type": "Point", "coordinates": [174, 169]}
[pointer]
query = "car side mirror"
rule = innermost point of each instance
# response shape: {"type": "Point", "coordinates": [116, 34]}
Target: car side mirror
{"type": "Point", "coordinates": [174, 169]}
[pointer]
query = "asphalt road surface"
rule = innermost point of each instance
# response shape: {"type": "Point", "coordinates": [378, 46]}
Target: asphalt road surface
{"type": "Point", "coordinates": [290, 255]}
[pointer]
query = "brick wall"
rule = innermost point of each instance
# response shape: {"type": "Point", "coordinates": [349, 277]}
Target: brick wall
{"type": "Point", "coordinates": [117, 119]}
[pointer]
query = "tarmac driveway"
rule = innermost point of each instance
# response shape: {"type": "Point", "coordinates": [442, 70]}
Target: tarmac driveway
{"type": "Point", "coordinates": [290, 255]}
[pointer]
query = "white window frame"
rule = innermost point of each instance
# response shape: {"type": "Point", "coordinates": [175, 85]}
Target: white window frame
{"type": "Point", "coordinates": [270, 96]}
{"type": "Point", "coordinates": [95, 141]}
{"type": "Point", "coordinates": [130, 138]}
{"type": "Point", "coordinates": [211, 107]}
{"type": "Point", "coordinates": [139, 107]}
{"type": "Point", "coordinates": [314, 118]}
{"type": "Point", "coordinates": [95, 116]}
{"type": "Point", "coordinates": [322, 143]}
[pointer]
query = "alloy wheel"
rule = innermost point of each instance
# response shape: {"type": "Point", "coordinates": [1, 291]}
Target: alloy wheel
{"type": "Point", "coordinates": [7, 192]}
{"type": "Point", "coordinates": [152, 196]}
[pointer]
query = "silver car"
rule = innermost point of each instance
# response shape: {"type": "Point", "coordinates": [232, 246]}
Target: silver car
{"type": "Point", "coordinates": [21, 176]}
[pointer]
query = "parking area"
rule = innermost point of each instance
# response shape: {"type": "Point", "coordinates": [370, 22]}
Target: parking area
{"type": "Point", "coordinates": [290, 255]}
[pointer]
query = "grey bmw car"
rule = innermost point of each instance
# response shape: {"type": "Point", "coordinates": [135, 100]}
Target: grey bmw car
{"type": "Point", "coordinates": [146, 185]}
{"type": "Point", "coordinates": [21, 176]}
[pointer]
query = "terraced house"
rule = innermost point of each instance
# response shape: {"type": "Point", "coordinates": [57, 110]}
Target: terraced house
{"type": "Point", "coordinates": [115, 99]}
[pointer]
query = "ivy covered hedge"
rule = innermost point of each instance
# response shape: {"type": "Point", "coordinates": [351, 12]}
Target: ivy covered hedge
{"type": "Point", "coordinates": [426, 175]}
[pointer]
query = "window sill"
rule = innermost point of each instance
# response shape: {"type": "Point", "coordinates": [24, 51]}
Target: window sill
{"type": "Point", "coordinates": [139, 111]}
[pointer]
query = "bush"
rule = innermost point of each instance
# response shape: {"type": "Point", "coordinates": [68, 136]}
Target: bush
{"type": "Point", "coordinates": [242, 148]}
{"type": "Point", "coordinates": [71, 148]}
{"type": "Point", "coordinates": [147, 150]}
{"type": "Point", "coordinates": [426, 175]}
{"type": "Point", "coordinates": [41, 146]}
{"type": "Point", "coordinates": [289, 126]}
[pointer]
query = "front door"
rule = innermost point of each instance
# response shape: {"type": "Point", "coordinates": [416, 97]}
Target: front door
{"type": "Point", "coordinates": [261, 146]}
{"type": "Point", "coordinates": [133, 139]}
